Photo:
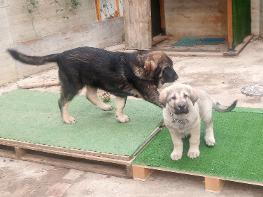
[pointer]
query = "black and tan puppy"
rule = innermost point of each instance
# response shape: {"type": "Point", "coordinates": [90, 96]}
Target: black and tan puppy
{"type": "Point", "coordinates": [136, 74]}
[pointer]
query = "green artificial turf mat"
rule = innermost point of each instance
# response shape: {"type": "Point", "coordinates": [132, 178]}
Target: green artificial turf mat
{"type": "Point", "coordinates": [237, 155]}
{"type": "Point", "coordinates": [34, 117]}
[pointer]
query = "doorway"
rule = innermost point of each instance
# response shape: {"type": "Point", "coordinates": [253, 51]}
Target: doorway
{"type": "Point", "coordinates": [156, 18]}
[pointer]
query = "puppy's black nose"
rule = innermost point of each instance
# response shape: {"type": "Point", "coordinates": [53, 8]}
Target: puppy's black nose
{"type": "Point", "coordinates": [181, 105]}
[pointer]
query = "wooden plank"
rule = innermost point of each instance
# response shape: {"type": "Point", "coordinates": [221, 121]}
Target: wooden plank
{"type": "Point", "coordinates": [196, 174]}
{"type": "Point", "coordinates": [39, 85]}
{"type": "Point", "coordinates": [84, 165]}
{"type": "Point", "coordinates": [192, 54]}
{"type": "Point", "coordinates": [123, 160]}
{"type": "Point", "coordinates": [230, 24]}
{"type": "Point", "coordinates": [7, 154]}
{"type": "Point", "coordinates": [158, 39]}
{"type": "Point", "coordinates": [100, 168]}
{"type": "Point", "coordinates": [19, 152]}
{"type": "Point", "coordinates": [140, 173]}
{"type": "Point", "coordinates": [117, 8]}
{"type": "Point", "coordinates": [239, 47]}
{"type": "Point", "coordinates": [162, 14]}
{"type": "Point", "coordinates": [213, 184]}
{"type": "Point", "coordinates": [97, 2]}
{"type": "Point", "coordinates": [137, 24]}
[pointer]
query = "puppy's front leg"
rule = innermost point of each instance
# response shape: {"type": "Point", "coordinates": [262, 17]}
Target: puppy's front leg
{"type": "Point", "coordinates": [178, 145]}
{"type": "Point", "coordinates": [194, 141]}
{"type": "Point", "coordinates": [120, 104]}
{"type": "Point", "coordinates": [91, 95]}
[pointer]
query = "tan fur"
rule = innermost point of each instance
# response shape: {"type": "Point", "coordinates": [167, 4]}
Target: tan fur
{"type": "Point", "coordinates": [91, 95]}
{"type": "Point", "coordinates": [200, 107]}
{"type": "Point", "coordinates": [67, 118]}
{"type": "Point", "coordinates": [151, 62]}
{"type": "Point", "coordinates": [120, 104]}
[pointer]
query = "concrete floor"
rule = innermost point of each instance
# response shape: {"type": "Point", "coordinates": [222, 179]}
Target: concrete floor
{"type": "Point", "coordinates": [222, 77]}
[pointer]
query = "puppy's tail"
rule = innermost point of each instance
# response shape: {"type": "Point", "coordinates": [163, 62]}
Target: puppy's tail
{"type": "Point", "coordinates": [220, 108]}
{"type": "Point", "coordinates": [33, 60]}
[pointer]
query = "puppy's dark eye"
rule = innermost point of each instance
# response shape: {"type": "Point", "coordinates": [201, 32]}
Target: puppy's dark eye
{"type": "Point", "coordinates": [185, 95]}
{"type": "Point", "coordinates": [173, 97]}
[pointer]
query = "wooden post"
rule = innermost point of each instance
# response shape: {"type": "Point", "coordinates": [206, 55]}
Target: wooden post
{"type": "Point", "coordinates": [213, 184]}
{"type": "Point", "coordinates": [162, 14]}
{"type": "Point", "coordinates": [230, 24]}
{"type": "Point", "coordinates": [137, 24]}
{"type": "Point", "coordinates": [19, 152]}
{"type": "Point", "coordinates": [117, 8]}
{"type": "Point", "coordinates": [97, 2]}
{"type": "Point", "coordinates": [140, 173]}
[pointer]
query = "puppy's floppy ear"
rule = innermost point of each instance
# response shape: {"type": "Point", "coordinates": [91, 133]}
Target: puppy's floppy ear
{"type": "Point", "coordinates": [149, 65]}
{"type": "Point", "coordinates": [193, 94]}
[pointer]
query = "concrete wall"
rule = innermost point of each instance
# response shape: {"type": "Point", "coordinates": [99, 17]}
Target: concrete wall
{"type": "Point", "coordinates": [51, 27]}
{"type": "Point", "coordinates": [195, 17]}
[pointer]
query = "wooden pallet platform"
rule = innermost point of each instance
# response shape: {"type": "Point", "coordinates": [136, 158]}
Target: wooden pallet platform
{"type": "Point", "coordinates": [212, 184]}
{"type": "Point", "coordinates": [103, 163]}
{"type": "Point", "coordinates": [67, 158]}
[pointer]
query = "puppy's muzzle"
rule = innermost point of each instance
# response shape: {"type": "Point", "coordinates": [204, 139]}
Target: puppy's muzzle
{"type": "Point", "coordinates": [181, 108]}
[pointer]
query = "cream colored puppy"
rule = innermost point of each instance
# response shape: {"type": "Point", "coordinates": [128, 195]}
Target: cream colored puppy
{"type": "Point", "coordinates": [184, 108]}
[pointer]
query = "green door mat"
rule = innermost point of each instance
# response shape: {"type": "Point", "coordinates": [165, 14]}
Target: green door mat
{"type": "Point", "coordinates": [237, 155]}
{"type": "Point", "coordinates": [31, 116]}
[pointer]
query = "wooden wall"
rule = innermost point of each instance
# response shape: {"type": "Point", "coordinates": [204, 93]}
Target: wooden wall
{"type": "Point", "coordinates": [137, 20]}
{"type": "Point", "coordinates": [196, 17]}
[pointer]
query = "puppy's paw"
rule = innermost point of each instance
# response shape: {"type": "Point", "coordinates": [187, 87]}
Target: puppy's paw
{"type": "Point", "coordinates": [193, 153]}
{"type": "Point", "coordinates": [106, 107]}
{"type": "Point", "coordinates": [176, 155]}
{"type": "Point", "coordinates": [69, 120]}
{"type": "Point", "coordinates": [210, 141]}
{"type": "Point", "coordinates": [123, 118]}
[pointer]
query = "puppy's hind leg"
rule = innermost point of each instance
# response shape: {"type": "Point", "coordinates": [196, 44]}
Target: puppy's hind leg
{"type": "Point", "coordinates": [120, 104]}
{"type": "Point", "coordinates": [91, 95]}
{"type": "Point", "coordinates": [209, 133]}
{"type": "Point", "coordinates": [63, 103]}
{"type": "Point", "coordinates": [209, 130]}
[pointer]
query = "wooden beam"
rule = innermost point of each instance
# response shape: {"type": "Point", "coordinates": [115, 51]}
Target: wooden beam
{"type": "Point", "coordinates": [97, 2]}
{"type": "Point", "coordinates": [83, 165]}
{"type": "Point", "coordinates": [239, 47]}
{"type": "Point", "coordinates": [162, 14]}
{"type": "Point", "coordinates": [19, 152]}
{"type": "Point", "coordinates": [117, 8]}
{"type": "Point", "coordinates": [140, 173]}
{"type": "Point", "coordinates": [230, 24]}
{"type": "Point", "coordinates": [137, 24]}
{"type": "Point", "coordinates": [38, 85]}
{"type": "Point", "coordinates": [89, 155]}
{"type": "Point", "coordinates": [213, 184]}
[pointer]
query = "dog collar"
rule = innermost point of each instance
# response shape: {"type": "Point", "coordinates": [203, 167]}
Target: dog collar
{"type": "Point", "coordinates": [179, 121]}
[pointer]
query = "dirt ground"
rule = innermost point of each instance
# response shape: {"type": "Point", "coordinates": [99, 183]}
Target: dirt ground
{"type": "Point", "coordinates": [222, 77]}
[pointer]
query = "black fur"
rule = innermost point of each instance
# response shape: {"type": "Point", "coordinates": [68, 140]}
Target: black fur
{"type": "Point", "coordinates": [116, 72]}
